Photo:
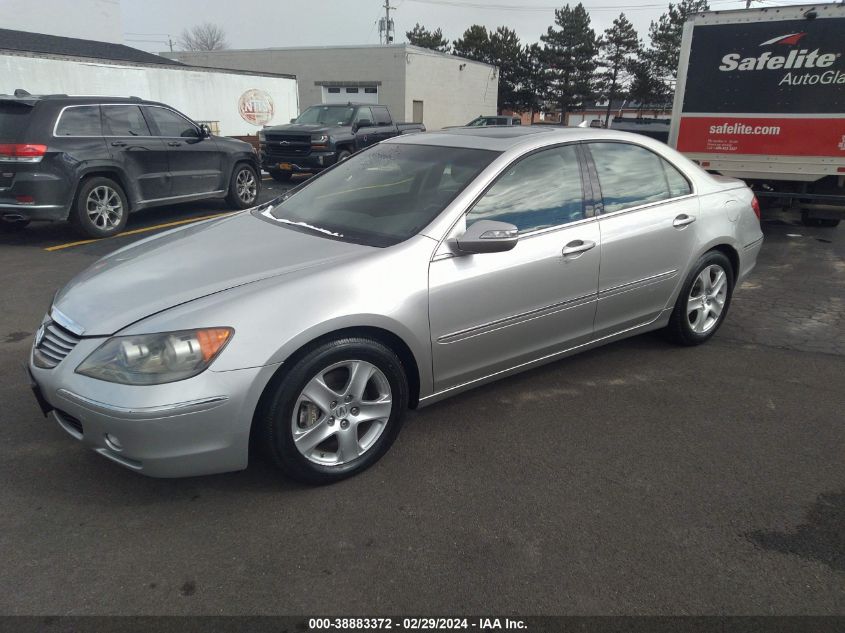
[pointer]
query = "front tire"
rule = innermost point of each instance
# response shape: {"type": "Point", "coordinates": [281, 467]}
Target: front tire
{"type": "Point", "coordinates": [244, 186]}
{"type": "Point", "coordinates": [281, 176]}
{"type": "Point", "coordinates": [704, 300]}
{"type": "Point", "coordinates": [342, 155]}
{"type": "Point", "coordinates": [336, 412]}
{"type": "Point", "coordinates": [100, 209]}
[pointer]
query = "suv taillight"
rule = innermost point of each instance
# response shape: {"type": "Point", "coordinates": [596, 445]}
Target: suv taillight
{"type": "Point", "coordinates": [755, 204]}
{"type": "Point", "coordinates": [22, 152]}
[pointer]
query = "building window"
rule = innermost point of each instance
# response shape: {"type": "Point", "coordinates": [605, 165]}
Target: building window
{"type": "Point", "coordinates": [334, 90]}
{"type": "Point", "coordinates": [352, 90]}
{"type": "Point", "coordinates": [371, 91]}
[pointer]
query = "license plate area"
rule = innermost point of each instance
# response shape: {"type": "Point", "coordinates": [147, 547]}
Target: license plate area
{"type": "Point", "coordinates": [285, 166]}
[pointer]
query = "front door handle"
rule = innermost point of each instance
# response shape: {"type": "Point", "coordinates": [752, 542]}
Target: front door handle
{"type": "Point", "coordinates": [577, 246]}
{"type": "Point", "coordinates": [174, 144]}
{"type": "Point", "coordinates": [118, 144]}
{"type": "Point", "coordinates": [683, 220]}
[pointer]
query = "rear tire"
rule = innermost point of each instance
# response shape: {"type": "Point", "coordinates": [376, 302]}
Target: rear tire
{"type": "Point", "coordinates": [808, 220]}
{"type": "Point", "coordinates": [100, 209]}
{"type": "Point", "coordinates": [320, 426]}
{"type": "Point", "coordinates": [244, 186]}
{"type": "Point", "coordinates": [281, 176]}
{"type": "Point", "coordinates": [703, 302]}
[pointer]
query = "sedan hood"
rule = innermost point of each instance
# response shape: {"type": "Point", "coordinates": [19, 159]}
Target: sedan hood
{"type": "Point", "coordinates": [186, 264]}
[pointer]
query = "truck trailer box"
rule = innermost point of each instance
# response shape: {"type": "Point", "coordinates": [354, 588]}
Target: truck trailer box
{"type": "Point", "coordinates": [761, 96]}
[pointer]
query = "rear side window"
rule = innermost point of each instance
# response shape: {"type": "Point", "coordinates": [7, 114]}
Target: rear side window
{"type": "Point", "coordinates": [630, 176]}
{"type": "Point", "coordinates": [382, 116]}
{"type": "Point", "coordinates": [13, 119]}
{"type": "Point", "coordinates": [79, 121]}
{"type": "Point", "coordinates": [538, 192]}
{"type": "Point", "coordinates": [171, 124]}
{"type": "Point", "coordinates": [120, 120]}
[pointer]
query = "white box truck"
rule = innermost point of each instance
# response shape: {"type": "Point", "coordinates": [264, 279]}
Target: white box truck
{"type": "Point", "coordinates": [761, 96]}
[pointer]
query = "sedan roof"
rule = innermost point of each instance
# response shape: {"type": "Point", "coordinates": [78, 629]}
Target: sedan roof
{"type": "Point", "coordinates": [502, 138]}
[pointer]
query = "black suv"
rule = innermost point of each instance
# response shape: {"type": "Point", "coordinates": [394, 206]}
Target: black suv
{"type": "Point", "coordinates": [93, 160]}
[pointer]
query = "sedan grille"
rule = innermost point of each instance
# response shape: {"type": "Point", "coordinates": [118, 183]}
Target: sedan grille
{"type": "Point", "coordinates": [53, 343]}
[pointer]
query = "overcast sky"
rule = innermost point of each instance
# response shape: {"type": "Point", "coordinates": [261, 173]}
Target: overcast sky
{"type": "Point", "coordinates": [267, 23]}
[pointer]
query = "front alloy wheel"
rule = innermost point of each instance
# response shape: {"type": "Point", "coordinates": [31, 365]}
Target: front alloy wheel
{"type": "Point", "coordinates": [334, 410]}
{"type": "Point", "coordinates": [341, 412]}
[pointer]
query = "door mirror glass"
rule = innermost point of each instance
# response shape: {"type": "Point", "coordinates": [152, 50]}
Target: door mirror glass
{"type": "Point", "coordinates": [364, 123]}
{"type": "Point", "coordinates": [488, 236]}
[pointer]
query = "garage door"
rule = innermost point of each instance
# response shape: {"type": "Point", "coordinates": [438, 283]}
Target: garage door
{"type": "Point", "coordinates": [344, 94]}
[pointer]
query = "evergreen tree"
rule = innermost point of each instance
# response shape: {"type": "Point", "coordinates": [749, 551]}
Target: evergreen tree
{"type": "Point", "coordinates": [618, 47]}
{"type": "Point", "coordinates": [647, 88]}
{"type": "Point", "coordinates": [569, 53]}
{"type": "Point", "coordinates": [665, 36]}
{"type": "Point", "coordinates": [421, 36]}
{"type": "Point", "coordinates": [533, 85]}
{"type": "Point", "coordinates": [505, 51]}
{"type": "Point", "coordinates": [475, 44]}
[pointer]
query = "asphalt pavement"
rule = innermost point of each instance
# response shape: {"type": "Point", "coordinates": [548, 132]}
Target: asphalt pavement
{"type": "Point", "coordinates": [640, 478]}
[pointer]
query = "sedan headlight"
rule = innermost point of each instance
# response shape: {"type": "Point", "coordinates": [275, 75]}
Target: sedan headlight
{"type": "Point", "coordinates": [153, 359]}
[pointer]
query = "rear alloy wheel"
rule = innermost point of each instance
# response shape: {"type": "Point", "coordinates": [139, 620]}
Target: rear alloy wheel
{"type": "Point", "coordinates": [243, 188]}
{"type": "Point", "coordinates": [704, 300]}
{"type": "Point", "coordinates": [337, 411]}
{"type": "Point", "coordinates": [101, 209]}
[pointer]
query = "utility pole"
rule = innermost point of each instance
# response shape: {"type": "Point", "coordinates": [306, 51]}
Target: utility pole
{"type": "Point", "coordinates": [385, 25]}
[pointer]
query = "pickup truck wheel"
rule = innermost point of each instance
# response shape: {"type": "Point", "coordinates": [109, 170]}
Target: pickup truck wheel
{"type": "Point", "coordinates": [281, 176]}
{"type": "Point", "coordinates": [100, 208]}
{"type": "Point", "coordinates": [808, 220]}
{"type": "Point", "coordinates": [342, 155]}
{"type": "Point", "coordinates": [243, 187]}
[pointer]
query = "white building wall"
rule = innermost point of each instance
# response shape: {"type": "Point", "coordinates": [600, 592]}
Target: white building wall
{"type": "Point", "coordinates": [453, 90]}
{"type": "Point", "coordinates": [200, 94]}
{"type": "Point", "coordinates": [99, 20]}
{"type": "Point", "coordinates": [314, 65]}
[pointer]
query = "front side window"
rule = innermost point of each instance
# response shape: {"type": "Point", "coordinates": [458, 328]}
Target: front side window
{"type": "Point", "coordinates": [537, 192]}
{"type": "Point", "coordinates": [382, 115]}
{"type": "Point", "coordinates": [383, 195]}
{"type": "Point", "coordinates": [363, 114]}
{"type": "Point", "coordinates": [120, 120]}
{"type": "Point", "coordinates": [80, 121]}
{"type": "Point", "coordinates": [172, 125]}
{"type": "Point", "coordinates": [631, 176]}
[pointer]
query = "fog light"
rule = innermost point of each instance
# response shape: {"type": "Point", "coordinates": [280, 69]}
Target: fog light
{"type": "Point", "coordinates": [113, 443]}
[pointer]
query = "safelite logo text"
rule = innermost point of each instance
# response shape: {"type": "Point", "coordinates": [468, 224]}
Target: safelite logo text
{"type": "Point", "coordinates": [796, 59]}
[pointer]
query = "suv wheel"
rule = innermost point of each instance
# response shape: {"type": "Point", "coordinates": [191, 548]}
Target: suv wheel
{"type": "Point", "coordinates": [100, 208]}
{"type": "Point", "coordinates": [243, 187]}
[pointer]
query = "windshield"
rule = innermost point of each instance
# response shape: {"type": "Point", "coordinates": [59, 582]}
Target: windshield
{"type": "Point", "coordinates": [383, 195]}
{"type": "Point", "coordinates": [327, 115]}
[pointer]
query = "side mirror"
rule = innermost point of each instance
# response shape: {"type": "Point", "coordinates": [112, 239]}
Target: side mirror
{"type": "Point", "coordinates": [205, 131]}
{"type": "Point", "coordinates": [488, 236]}
{"type": "Point", "coordinates": [293, 120]}
{"type": "Point", "coordinates": [364, 123]}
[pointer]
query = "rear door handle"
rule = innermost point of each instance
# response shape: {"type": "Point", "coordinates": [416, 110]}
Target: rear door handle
{"type": "Point", "coordinates": [118, 144]}
{"type": "Point", "coordinates": [576, 247]}
{"type": "Point", "coordinates": [174, 144]}
{"type": "Point", "coordinates": [683, 220]}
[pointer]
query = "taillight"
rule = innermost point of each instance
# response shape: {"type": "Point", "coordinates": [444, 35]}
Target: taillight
{"type": "Point", "coordinates": [755, 204]}
{"type": "Point", "coordinates": [22, 152]}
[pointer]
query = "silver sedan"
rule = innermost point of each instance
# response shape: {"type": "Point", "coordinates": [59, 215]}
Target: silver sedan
{"type": "Point", "coordinates": [419, 268]}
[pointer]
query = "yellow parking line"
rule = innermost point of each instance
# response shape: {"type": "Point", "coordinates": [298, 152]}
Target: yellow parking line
{"type": "Point", "coordinates": [142, 230]}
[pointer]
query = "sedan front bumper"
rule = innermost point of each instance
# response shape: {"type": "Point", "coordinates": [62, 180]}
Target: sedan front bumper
{"type": "Point", "coordinates": [197, 426]}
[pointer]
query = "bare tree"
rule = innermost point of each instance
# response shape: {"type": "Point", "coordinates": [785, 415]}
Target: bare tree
{"type": "Point", "coordinates": [203, 37]}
